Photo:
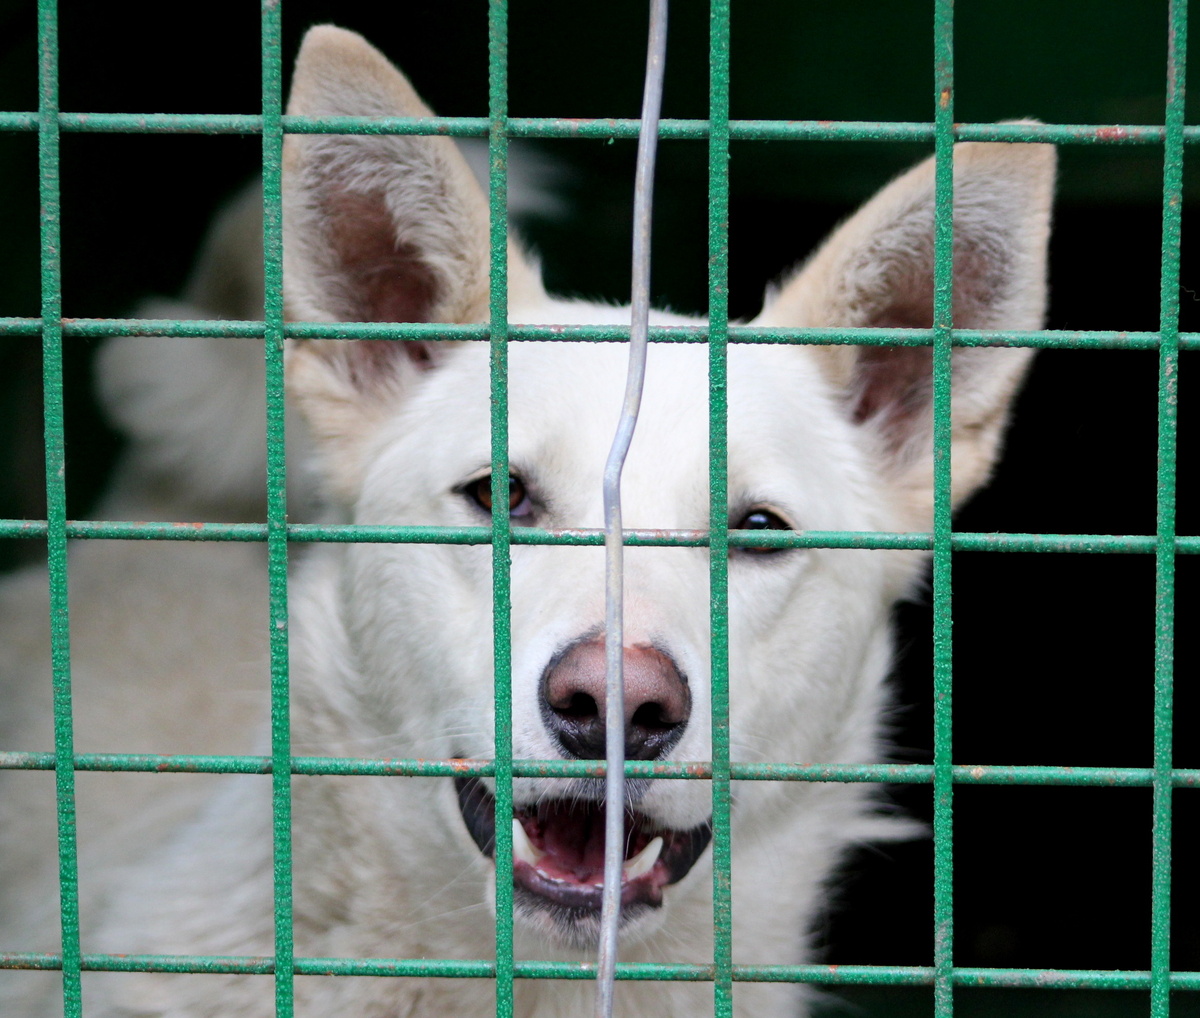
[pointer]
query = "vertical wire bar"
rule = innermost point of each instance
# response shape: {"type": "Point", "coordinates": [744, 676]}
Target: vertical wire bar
{"type": "Point", "coordinates": [1164, 557]}
{"type": "Point", "coordinates": [718, 314]}
{"type": "Point", "coordinates": [501, 524]}
{"type": "Point", "coordinates": [56, 501]}
{"type": "Point", "coordinates": [614, 623]}
{"type": "Point", "coordinates": [943, 315]}
{"type": "Point", "coordinates": [277, 550]}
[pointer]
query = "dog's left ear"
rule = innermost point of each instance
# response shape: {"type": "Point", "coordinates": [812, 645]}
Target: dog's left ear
{"type": "Point", "coordinates": [876, 270]}
{"type": "Point", "coordinates": [377, 228]}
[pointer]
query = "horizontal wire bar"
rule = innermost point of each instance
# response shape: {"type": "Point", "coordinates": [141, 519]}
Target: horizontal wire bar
{"type": "Point", "coordinates": [310, 533]}
{"type": "Point", "coordinates": [832, 975]}
{"type": "Point", "coordinates": [1045, 339]}
{"type": "Point", "coordinates": [599, 128]}
{"type": "Point", "coordinates": [965, 774]}
{"type": "Point", "coordinates": [1042, 979]}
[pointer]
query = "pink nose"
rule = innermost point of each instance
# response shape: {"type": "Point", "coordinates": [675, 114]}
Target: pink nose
{"type": "Point", "coordinates": [657, 701]}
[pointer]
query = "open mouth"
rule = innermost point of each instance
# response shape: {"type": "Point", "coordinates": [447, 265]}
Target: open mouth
{"type": "Point", "coordinates": [558, 850]}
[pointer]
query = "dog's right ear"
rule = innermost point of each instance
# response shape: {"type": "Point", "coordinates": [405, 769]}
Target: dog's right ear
{"type": "Point", "coordinates": [877, 270]}
{"type": "Point", "coordinates": [377, 228]}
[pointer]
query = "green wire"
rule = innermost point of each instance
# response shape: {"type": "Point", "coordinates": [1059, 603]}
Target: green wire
{"type": "Point", "coordinates": [56, 501]}
{"type": "Point", "coordinates": [501, 525]}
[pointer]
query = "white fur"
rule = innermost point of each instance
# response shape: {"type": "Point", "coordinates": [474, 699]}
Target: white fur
{"type": "Point", "coordinates": [391, 645]}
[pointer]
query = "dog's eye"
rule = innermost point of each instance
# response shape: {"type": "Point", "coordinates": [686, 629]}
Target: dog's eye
{"type": "Point", "coordinates": [760, 518]}
{"type": "Point", "coordinates": [520, 507]}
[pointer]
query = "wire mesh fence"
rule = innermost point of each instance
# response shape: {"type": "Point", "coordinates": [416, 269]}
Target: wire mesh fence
{"type": "Point", "coordinates": [716, 131]}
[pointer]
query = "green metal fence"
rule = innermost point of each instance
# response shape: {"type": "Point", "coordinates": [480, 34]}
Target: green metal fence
{"type": "Point", "coordinates": [717, 131]}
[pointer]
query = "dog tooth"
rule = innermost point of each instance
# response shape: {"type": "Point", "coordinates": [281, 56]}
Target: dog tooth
{"type": "Point", "coordinates": [644, 861]}
{"type": "Point", "coordinates": [523, 848]}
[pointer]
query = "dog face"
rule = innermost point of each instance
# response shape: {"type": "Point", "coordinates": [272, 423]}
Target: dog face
{"type": "Point", "coordinates": [799, 620]}
{"type": "Point", "coordinates": [836, 438]}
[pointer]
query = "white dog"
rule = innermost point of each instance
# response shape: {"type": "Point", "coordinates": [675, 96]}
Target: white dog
{"type": "Point", "coordinates": [391, 645]}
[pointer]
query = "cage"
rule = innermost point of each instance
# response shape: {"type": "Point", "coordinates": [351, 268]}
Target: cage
{"type": "Point", "coordinates": [1059, 883]}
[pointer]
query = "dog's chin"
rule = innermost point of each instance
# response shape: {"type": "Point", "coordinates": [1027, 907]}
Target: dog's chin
{"type": "Point", "coordinates": [558, 861]}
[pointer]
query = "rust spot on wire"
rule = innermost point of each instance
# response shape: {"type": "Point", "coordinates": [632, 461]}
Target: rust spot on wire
{"type": "Point", "coordinates": [1111, 134]}
{"type": "Point", "coordinates": [673, 536]}
{"type": "Point", "coordinates": [33, 963]}
{"type": "Point", "coordinates": [692, 770]}
{"type": "Point", "coordinates": [576, 125]}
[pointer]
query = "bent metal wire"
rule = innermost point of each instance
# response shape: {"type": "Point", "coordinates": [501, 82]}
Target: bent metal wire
{"type": "Point", "coordinates": [718, 130]}
{"type": "Point", "coordinates": [614, 593]}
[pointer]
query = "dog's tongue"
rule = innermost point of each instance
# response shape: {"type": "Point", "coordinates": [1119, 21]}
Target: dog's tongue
{"type": "Point", "coordinates": [574, 845]}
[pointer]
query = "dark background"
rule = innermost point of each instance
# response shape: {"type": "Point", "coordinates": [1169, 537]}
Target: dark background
{"type": "Point", "coordinates": [1053, 653]}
